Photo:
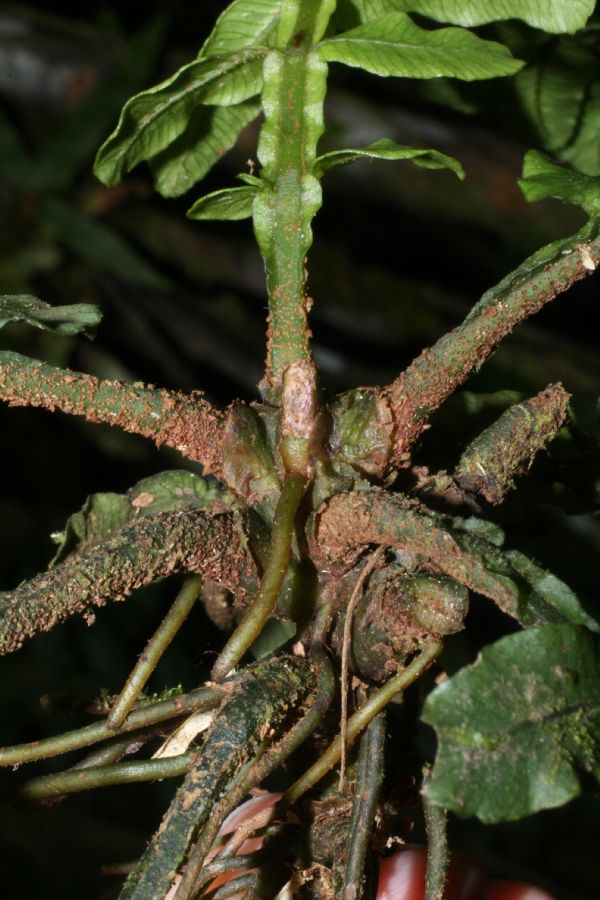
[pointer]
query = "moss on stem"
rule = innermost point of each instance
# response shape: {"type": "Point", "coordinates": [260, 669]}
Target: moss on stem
{"type": "Point", "coordinates": [494, 458]}
{"type": "Point", "coordinates": [348, 522]}
{"type": "Point", "coordinates": [263, 703]}
{"type": "Point", "coordinates": [190, 540]}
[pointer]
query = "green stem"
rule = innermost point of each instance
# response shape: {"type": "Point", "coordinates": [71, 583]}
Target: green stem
{"type": "Point", "coordinates": [375, 704]}
{"type": "Point", "coordinates": [275, 568]}
{"type": "Point", "coordinates": [155, 648]}
{"type": "Point", "coordinates": [189, 540]}
{"type": "Point", "coordinates": [366, 794]}
{"type": "Point", "coordinates": [237, 789]}
{"type": "Point", "coordinates": [293, 105]}
{"type": "Point", "coordinates": [188, 423]}
{"type": "Point", "coordinates": [110, 753]}
{"type": "Point", "coordinates": [346, 645]}
{"type": "Point", "coordinates": [147, 714]}
{"type": "Point", "coordinates": [437, 850]}
{"type": "Point", "coordinates": [124, 773]}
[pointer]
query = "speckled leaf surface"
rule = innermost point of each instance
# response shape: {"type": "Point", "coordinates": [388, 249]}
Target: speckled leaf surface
{"type": "Point", "coordinates": [103, 514]}
{"type": "Point", "coordinates": [519, 728]}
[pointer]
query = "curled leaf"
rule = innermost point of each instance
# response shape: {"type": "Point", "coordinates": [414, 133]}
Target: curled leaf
{"type": "Point", "coordinates": [103, 514]}
{"type": "Point", "coordinates": [211, 132]}
{"type": "Point", "coordinates": [152, 120]}
{"type": "Point", "coordinates": [229, 204]}
{"type": "Point", "coordinates": [80, 317]}
{"type": "Point", "coordinates": [388, 149]}
{"type": "Point", "coordinates": [543, 178]}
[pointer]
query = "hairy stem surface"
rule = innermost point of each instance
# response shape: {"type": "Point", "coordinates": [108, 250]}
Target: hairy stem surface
{"type": "Point", "coordinates": [149, 549]}
{"type": "Point", "coordinates": [263, 701]}
{"type": "Point", "coordinates": [434, 375]}
{"type": "Point", "coordinates": [186, 422]}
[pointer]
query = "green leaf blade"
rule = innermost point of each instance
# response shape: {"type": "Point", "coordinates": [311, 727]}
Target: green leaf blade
{"type": "Point", "coordinates": [66, 320]}
{"type": "Point", "coordinates": [244, 23]}
{"type": "Point", "coordinates": [172, 490]}
{"type": "Point", "coordinates": [229, 204]}
{"type": "Point", "coordinates": [554, 16]}
{"type": "Point", "coordinates": [103, 514]}
{"type": "Point", "coordinates": [152, 120]}
{"type": "Point", "coordinates": [544, 178]}
{"type": "Point", "coordinates": [518, 727]}
{"type": "Point", "coordinates": [387, 149]}
{"type": "Point", "coordinates": [394, 46]}
{"type": "Point", "coordinates": [560, 93]}
{"type": "Point", "coordinates": [550, 593]}
{"type": "Point", "coordinates": [540, 597]}
{"type": "Point", "coordinates": [212, 131]}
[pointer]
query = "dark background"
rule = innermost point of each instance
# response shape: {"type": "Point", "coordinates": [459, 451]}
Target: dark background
{"type": "Point", "coordinates": [400, 256]}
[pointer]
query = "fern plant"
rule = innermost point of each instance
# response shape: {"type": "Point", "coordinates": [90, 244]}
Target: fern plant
{"type": "Point", "coordinates": [339, 561]}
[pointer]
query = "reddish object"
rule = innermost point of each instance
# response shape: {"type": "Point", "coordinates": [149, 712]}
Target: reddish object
{"type": "Point", "coordinates": [246, 811]}
{"type": "Point", "coordinates": [402, 877]}
{"type": "Point", "coordinates": [515, 890]}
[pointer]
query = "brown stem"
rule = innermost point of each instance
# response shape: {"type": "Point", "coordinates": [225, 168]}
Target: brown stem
{"type": "Point", "coordinates": [190, 540]}
{"type": "Point", "coordinates": [434, 375]}
{"type": "Point", "coordinates": [491, 461]}
{"type": "Point", "coordinates": [348, 522]}
{"type": "Point", "coordinates": [186, 422]}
